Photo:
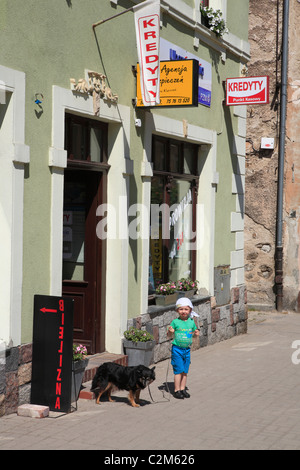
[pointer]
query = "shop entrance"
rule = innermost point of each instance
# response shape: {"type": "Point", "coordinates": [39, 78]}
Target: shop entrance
{"type": "Point", "coordinates": [82, 255]}
{"type": "Point", "coordinates": [83, 251]}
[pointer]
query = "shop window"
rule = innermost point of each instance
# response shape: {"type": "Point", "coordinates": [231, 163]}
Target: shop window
{"type": "Point", "coordinates": [173, 204]}
{"type": "Point", "coordinates": [159, 155]}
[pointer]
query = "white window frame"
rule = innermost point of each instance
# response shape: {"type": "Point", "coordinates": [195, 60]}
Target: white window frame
{"type": "Point", "coordinates": [208, 180]}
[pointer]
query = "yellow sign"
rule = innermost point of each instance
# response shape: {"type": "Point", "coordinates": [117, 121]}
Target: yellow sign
{"type": "Point", "coordinates": [156, 253]}
{"type": "Point", "coordinates": [178, 83]}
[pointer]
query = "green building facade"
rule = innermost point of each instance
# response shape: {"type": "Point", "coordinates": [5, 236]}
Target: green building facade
{"type": "Point", "coordinates": [82, 168]}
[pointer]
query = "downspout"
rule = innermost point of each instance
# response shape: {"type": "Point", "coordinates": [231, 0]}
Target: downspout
{"type": "Point", "coordinates": [283, 104]}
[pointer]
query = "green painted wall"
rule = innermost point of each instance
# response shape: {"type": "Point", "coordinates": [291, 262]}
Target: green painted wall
{"type": "Point", "coordinates": [237, 18]}
{"type": "Point", "coordinates": [190, 3]}
{"type": "Point", "coordinates": [53, 41]}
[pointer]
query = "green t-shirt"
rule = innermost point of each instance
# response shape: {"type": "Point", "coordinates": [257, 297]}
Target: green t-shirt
{"type": "Point", "coordinates": [183, 335]}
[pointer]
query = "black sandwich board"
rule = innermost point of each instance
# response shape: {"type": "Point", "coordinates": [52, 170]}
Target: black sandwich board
{"type": "Point", "coordinates": [52, 352]}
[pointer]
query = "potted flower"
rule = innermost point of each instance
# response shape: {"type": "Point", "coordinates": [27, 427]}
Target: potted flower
{"type": "Point", "coordinates": [213, 20]}
{"type": "Point", "coordinates": [186, 287]}
{"type": "Point", "coordinates": [80, 362]}
{"type": "Point", "coordinates": [166, 294]}
{"type": "Point", "coordinates": [138, 345]}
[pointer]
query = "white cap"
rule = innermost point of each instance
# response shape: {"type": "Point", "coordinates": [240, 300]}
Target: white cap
{"type": "Point", "coordinates": [185, 302]}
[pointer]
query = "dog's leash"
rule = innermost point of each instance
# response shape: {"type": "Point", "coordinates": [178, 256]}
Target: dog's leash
{"type": "Point", "coordinates": [167, 387]}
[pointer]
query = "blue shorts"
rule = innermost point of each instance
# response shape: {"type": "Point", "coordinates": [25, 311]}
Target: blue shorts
{"type": "Point", "coordinates": [180, 359]}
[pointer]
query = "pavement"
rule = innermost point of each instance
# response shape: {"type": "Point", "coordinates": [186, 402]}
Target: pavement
{"type": "Point", "coordinates": [244, 396]}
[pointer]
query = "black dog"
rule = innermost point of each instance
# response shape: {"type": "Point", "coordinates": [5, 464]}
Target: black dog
{"type": "Point", "coordinates": [134, 379]}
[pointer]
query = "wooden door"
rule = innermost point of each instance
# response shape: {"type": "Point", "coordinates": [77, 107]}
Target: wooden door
{"type": "Point", "coordinates": [82, 256]}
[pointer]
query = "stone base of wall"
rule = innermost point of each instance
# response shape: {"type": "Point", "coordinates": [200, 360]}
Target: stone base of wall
{"type": "Point", "coordinates": [216, 323]}
{"type": "Point", "coordinates": [15, 378]}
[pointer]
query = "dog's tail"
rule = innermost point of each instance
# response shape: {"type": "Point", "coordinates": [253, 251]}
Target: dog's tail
{"type": "Point", "coordinates": [98, 378]}
{"type": "Point", "coordinates": [95, 385]}
{"type": "Point", "coordinates": [94, 388]}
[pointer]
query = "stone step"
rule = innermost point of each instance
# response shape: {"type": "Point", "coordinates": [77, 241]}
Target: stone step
{"type": "Point", "coordinates": [94, 362]}
{"type": "Point", "coordinates": [33, 411]}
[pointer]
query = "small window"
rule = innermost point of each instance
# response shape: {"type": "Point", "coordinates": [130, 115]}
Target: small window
{"type": "Point", "coordinates": [96, 144]}
{"type": "Point", "coordinates": [190, 159]}
{"type": "Point", "coordinates": [159, 157]}
{"type": "Point", "coordinates": [175, 160]}
{"type": "Point", "coordinates": [85, 139]}
{"type": "Point", "coordinates": [172, 156]}
{"type": "Point", "coordinates": [78, 142]}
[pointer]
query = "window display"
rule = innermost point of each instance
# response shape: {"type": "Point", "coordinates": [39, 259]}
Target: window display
{"type": "Point", "coordinates": [173, 199]}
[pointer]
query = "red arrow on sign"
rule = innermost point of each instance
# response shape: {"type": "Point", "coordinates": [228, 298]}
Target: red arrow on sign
{"type": "Point", "coordinates": [44, 310]}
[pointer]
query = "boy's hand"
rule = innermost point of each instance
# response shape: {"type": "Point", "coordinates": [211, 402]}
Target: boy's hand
{"type": "Point", "coordinates": [197, 332]}
{"type": "Point", "coordinates": [170, 330]}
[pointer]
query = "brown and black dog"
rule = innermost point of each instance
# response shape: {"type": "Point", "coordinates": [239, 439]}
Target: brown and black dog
{"type": "Point", "coordinates": [134, 379]}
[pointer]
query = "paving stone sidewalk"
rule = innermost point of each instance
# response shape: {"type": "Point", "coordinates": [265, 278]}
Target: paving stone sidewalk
{"type": "Point", "coordinates": [244, 395]}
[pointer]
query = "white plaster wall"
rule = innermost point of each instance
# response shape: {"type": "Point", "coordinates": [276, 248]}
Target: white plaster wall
{"type": "Point", "coordinates": [14, 154]}
{"type": "Point", "coordinates": [238, 188]}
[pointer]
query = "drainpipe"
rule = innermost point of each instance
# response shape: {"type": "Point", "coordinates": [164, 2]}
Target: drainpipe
{"type": "Point", "coordinates": [283, 100]}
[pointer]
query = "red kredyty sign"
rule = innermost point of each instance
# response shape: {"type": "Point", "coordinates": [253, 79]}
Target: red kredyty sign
{"type": "Point", "coordinates": [147, 25]}
{"type": "Point", "coordinates": [247, 90]}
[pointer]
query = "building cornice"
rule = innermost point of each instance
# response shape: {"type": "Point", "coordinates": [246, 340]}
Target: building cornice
{"type": "Point", "coordinates": [191, 18]}
{"type": "Point", "coordinates": [184, 14]}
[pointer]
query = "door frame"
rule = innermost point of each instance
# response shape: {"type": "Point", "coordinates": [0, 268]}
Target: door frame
{"type": "Point", "coordinates": [96, 172]}
{"type": "Point", "coordinates": [118, 117]}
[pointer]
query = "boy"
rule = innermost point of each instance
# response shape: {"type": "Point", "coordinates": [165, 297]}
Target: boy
{"type": "Point", "coordinates": [183, 329]}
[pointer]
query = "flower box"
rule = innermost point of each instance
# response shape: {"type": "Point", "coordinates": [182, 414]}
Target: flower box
{"type": "Point", "coordinates": [78, 368]}
{"type": "Point", "coordinates": [186, 293]}
{"type": "Point", "coordinates": [213, 20]}
{"type": "Point", "coordinates": [204, 21]}
{"type": "Point", "coordinates": [163, 300]}
{"type": "Point", "coordinates": [139, 352]}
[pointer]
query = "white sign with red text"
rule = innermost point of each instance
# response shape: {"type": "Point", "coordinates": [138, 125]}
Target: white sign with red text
{"type": "Point", "coordinates": [247, 90]}
{"type": "Point", "coordinates": [147, 26]}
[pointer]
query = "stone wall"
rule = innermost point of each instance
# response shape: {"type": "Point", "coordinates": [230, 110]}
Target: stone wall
{"type": "Point", "coordinates": [216, 323]}
{"type": "Point", "coordinates": [15, 378]}
{"type": "Point", "coordinates": [291, 213]}
{"type": "Point", "coordinates": [262, 165]}
{"type": "Point", "coordinates": [265, 38]}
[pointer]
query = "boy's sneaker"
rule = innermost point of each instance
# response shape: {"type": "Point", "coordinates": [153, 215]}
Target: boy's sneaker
{"type": "Point", "coordinates": [185, 393]}
{"type": "Point", "coordinates": [179, 394]}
